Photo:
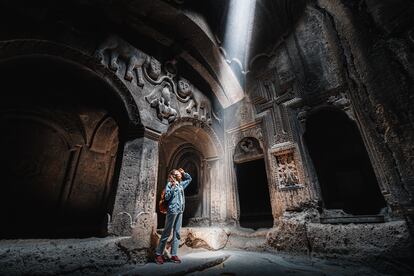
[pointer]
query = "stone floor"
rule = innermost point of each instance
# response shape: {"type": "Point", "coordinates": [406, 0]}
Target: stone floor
{"type": "Point", "coordinates": [237, 262]}
{"type": "Point", "coordinates": [95, 256]}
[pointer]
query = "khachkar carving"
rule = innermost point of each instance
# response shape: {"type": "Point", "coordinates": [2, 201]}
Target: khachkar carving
{"type": "Point", "coordinates": [288, 169]}
{"type": "Point", "coordinates": [120, 50]}
{"type": "Point", "coordinates": [287, 172]}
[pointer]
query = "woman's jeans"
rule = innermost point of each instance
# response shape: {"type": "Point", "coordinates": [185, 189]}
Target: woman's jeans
{"type": "Point", "coordinates": [172, 222]}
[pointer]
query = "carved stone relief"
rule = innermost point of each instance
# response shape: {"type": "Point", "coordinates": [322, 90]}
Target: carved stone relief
{"type": "Point", "coordinates": [199, 105]}
{"type": "Point", "coordinates": [234, 137]}
{"type": "Point", "coordinates": [302, 114]}
{"type": "Point", "coordinates": [118, 54]}
{"type": "Point", "coordinates": [119, 50]}
{"type": "Point", "coordinates": [248, 148]}
{"type": "Point", "coordinates": [342, 102]}
{"type": "Point", "coordinates": [284, 71]}
{"type": "Point", "coordinates": [287, 167]}
{"type": "Point", "coordinates": [278, 80]}
{"type": "Point", "coordinates": [287, 172]}
{"type": "Point", "coordinates": [160, 98]}
{"type": "Point", "coordinates": [264, 88]}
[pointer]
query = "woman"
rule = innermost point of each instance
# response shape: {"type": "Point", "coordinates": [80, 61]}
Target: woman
{"type": "Point", "coordinates": [174, 195]}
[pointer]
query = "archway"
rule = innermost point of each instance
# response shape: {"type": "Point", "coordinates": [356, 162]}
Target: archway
{"type": "Point", "coordinates": [188, 145]}
{"type": "Point", "coordinates": [189, 158]}
{"type": "Point", "coordinates": [342, 164]}
{"type": "Point", "coordinates": [253, 190]}
{"type": "Point", "coordinates": [60, 149]}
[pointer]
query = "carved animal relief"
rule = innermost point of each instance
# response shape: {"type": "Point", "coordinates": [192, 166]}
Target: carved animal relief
{"type": "Point", "coordinates": [160, 98]}
{"type": "Point", "coordinates": [121, 57]}
{"type": "Point", "coordinates": [199, 105]}
{"type": "Point", "coordinates": [119, 50]}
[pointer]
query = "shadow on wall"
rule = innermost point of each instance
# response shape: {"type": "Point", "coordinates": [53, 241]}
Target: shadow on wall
{"type": "Point", "coordinates": [343, 167]}
{"type": "Point", "coordinates": [60, 145]}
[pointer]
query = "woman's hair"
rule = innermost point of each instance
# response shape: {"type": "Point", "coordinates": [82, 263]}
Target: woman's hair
{"type": "Point", "coordinates": [172, 173]}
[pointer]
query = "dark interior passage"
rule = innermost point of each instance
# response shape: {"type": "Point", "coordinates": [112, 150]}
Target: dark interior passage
{"type": "Point", "coordinates": [254, 199]}
{"type": "Point", "coordinates": [342, 164]}
{"type": "Point", "coordinates": [59, 146]}
{"type": "Point", "coordinates": [191, 163]}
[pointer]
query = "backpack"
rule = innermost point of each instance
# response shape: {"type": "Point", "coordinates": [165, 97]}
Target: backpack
{"type": "Point", "coordinates": [163, 206]}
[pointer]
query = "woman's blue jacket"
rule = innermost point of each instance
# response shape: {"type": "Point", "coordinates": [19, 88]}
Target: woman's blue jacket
{"type": "Point", "coordinates": [175, 195]}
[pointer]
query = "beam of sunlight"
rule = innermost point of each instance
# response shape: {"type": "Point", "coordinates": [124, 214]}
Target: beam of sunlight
{"type": "Point", "coordinates": [237, 42]}
{"type": "Point", "coordinates": [238, 33]}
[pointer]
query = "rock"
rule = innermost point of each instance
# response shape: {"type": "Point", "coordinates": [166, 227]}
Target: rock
{"type": "Point", "coordinates": [208, 238]}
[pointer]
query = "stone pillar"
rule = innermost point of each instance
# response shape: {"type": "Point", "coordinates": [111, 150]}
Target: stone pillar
{"type": "Point", "coordinates": [217, 191]}
{"type": "Point", "coordinates": [134, 209]}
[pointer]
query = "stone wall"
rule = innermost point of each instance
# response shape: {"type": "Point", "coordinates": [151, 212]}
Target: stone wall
{"type": "Point", "coordinates": [328, 61]}
{"type": "Point", "coordinates": [151, 94]}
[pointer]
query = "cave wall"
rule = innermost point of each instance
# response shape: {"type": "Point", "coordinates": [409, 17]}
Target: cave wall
{"type": "Point", "coordinates": [355, 58]}
{"type": "Point", "coordinates": [348, 57]}
{"type": "Point", "coordinates": [149, 94]}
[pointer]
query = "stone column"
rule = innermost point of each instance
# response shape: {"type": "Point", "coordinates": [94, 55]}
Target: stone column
{"type": "Point", "coordinates": [217, 191]}
{"type": "Point", "coordinates": [134, 209]}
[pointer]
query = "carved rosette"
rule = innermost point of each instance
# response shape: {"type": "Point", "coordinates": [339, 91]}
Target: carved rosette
{"type": "Point", "coordinates": [247, 149]}
{"type": "Point", "coordinates": [234, 137]}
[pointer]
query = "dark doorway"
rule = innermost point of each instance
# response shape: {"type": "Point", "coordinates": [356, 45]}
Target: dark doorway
{"type": "Point", "coordinates": [254, 200]}
{"type": "Point", "coordinates": [191, 163]}
{"type": "Point", "coordinates": [342, 164]}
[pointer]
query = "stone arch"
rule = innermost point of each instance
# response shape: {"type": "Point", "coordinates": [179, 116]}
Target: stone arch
{"type": "Point", "coordinates": [374, 113]}
{"type": "Point", "coordinates": [202, 128]}
{"type": "Point", "coordinates": [52, 122]}
{"type": "Point", "coordinates": [344, 170]}
{"type": "Point", "coordinates": [25, 48]}
{"type": "Point", "coordinates": [187, 156]}
{"type": "Point", "coordinates": [87, 165]}
{"type": "Point", "coordinates": [194, 157]}
{"type": "Point", "coordinates": [248, 148]}
{"type": "Point", "coordinates": [194, 137]}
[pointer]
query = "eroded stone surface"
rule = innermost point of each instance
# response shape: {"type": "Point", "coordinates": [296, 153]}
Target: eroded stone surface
{"type": "Point", "coordinates": [158, 87]}
{"type": "Point", "coordinates": [70, 256]}
{"type": "Point", "coordinates": [211, 238]}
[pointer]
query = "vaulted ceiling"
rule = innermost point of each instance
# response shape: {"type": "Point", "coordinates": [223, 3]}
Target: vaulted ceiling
{"type": "Point", "coordinates": [190, 30]}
